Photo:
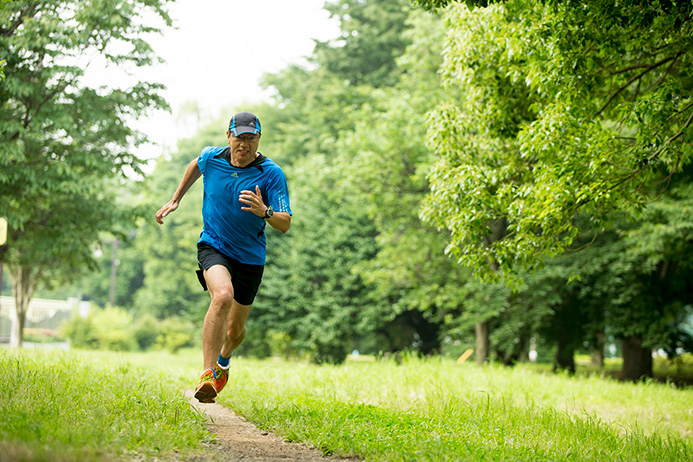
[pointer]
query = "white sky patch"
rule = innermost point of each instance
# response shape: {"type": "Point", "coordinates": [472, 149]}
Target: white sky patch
{"type": "Point", "coordinates": [216, 57]}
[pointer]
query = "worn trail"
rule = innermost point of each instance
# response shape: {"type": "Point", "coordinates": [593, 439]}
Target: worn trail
{"type": "Point", "coordinates": [240, 440]}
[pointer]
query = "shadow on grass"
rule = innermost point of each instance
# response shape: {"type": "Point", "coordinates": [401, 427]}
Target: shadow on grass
{"type": "Point", "coordinates": [676, 373]}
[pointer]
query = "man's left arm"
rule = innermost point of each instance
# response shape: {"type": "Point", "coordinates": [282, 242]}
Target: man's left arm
{"type": "Point", "coordinates": [280, 221]}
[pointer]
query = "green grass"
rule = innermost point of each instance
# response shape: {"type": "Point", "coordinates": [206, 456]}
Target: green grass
{"type": "Point", "coordinates": [437, 410]}
{"type": "Point", "coordinates": [58, 406]}
{"type": "Point", "coordinates": [97, 406]}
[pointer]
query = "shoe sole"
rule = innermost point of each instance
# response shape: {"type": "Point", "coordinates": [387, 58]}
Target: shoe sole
{"type": "Point", "coordinates": [206, 393]}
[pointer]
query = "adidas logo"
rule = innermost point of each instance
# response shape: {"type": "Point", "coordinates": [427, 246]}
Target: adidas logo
{"type": "Point", "coordinates": [234, 174]}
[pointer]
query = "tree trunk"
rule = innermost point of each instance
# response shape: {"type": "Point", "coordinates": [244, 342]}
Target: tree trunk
{"type": "Point", "coordinates": [23, 285]}
{"type": "Point", "coordinates": [598, 352]}
{"type": "Point", "coordinates": [482, 342]}
{"type": "Point", "coordinates": [1, 270]}
{"type": "Point", "coordinates": [114, 269]}
{"type": "Point", "coordinates": [637, 360]}
{"type": "Point", "coordinates": [429, 334]}
{"type": "Point", "coordinates": [565, 356]}
{"type": "Point", "coordinates": [3, 250]}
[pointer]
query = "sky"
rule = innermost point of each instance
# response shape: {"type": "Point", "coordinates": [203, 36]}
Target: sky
{"type": "Point", "coordinates": [218, 53]}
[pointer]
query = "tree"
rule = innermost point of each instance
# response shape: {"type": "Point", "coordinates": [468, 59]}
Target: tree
{"type": "Point", "coordinates": [373, 36]}
{"type": "Point", "coordinates": [309, 290]}
{"type": "Point", "coordinates": [569, 310]}
{"type": "Point", "coordinates": [652, 281]}
{"type": "Point", "coordinates": [562, 110]}
{"type": "Point", "coordinates": [385, 159]}
{"type": "Point", "coordinates": [432, 5]}
{"type": "Point", "coordinates": [633, 287]}
{"type": "Point", "coordinates": [475, 137]}
{"type": "Point", "coordinates": [547, 123]}
{"type": "Point", "coordinates": [63, 145]}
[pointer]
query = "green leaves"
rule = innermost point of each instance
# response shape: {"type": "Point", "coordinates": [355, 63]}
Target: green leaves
{"type": "Point", "coordinates": [65, 146]}
{"type": "Point", "coordinates": [432, 5]}
{"type": "Point", "coordinates": [372, 37]}
{"type": "Point", "coordinates": [538, 125]}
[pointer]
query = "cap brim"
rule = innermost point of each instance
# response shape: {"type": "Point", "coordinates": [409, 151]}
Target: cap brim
{"type": "Point", "coordinates": [240, 130]}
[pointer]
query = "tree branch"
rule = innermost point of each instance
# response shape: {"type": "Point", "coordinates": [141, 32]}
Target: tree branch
{"type": "Point", "coordinates": [656, 154]}
{"type": "Point", "coordinates": [670, 140]}
{"type": "Point", "coordinates": [28, 11]}
{"type": "Point", "coordinates": [629, 68]}
{"type": "Point", "coordinates": [681, 111]}
{"type": "Point", "coordinates": [638, 77]}
{"type": "Point", "coordinates": [669, 67]}
{"type": "Point", "coordinates": [34, 109]}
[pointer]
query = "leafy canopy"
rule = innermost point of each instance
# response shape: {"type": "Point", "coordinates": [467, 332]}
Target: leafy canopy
{"type": "Point", "coordinates": [558, 110]}
{"type": "Point", "coordinates": [65, 145]}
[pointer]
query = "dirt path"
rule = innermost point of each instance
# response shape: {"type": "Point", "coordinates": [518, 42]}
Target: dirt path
{"type": "Point", "coordinates": [240, 440]}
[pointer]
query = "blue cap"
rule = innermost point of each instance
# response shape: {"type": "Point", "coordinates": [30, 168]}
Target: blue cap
{"type": "Point", "coordinates": [244, 122]}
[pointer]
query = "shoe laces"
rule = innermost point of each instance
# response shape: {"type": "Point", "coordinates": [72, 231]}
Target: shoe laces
{"type": "Point", "coordinates": [207, 376]}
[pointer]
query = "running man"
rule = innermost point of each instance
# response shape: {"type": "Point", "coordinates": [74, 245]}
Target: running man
{"type": "Point", "coordinates": [243, 191]}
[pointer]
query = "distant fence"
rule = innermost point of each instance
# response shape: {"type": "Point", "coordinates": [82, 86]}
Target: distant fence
{"type": "Point", "coordinates": [42, 313]}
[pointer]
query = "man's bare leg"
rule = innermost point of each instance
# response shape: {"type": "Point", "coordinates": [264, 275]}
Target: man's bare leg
{"type": "Point", "coordinates": [224, 325]}
{"type": "Point", "coordinates": [235, 331]}
{"type": "Point", "coordinates": [216, 320]}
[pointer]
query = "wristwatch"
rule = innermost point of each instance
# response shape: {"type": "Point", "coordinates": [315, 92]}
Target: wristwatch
{"type": "Point", "coordinates": [269, 212]}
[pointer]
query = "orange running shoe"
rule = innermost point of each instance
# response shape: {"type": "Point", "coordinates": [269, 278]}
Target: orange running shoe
{"type": "Point", "coordinates": [206, 391]}
{"type": "Point", "coordinates": [222, 377]}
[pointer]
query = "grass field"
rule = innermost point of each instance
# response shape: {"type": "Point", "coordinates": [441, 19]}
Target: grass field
{"type": "Point", "coordinates": [99, 406]}
{"type": "Point", "coordinates": [437, 410]}
{"type": "Point", "coordinates": [57, 406]}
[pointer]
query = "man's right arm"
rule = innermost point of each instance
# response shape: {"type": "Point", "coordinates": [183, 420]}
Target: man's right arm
{"type": "Point", "coordinates": [191, 175]}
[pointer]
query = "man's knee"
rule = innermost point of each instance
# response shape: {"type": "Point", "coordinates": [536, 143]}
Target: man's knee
{"type": "Point", "coordinates": [222, 298]}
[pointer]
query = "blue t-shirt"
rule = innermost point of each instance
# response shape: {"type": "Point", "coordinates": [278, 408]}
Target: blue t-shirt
{"type": "Point", "coordinates": [239, 234]}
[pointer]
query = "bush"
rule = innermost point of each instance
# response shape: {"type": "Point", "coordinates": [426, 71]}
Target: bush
{"type": "Point", "coordinates": [175, 333]}
{"type": "Point", "coordinates": [105, 329]}
{"type": "Point", "coordinates": [330, 353]}
{"type": "Point", "coordinates": [147, 331]}
{"type": "Point", "coordinates": [80, 332]}
{"type": "Point", "coordinates": [280, 344]}
{"type": "Point", "coordinates": [114, 329]}
{"type": "Point", "coordinates": [254, 347]}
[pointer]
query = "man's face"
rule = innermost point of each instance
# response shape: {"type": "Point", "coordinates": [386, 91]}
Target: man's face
{"type": "Point", "coordinates": [243, 148]}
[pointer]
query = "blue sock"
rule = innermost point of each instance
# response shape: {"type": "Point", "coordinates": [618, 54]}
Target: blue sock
{"type": "Point", "coordinates": [224, 362]}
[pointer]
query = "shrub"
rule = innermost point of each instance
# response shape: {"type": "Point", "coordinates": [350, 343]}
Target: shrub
{"type": "Point", "coordinates": [114, 329]}
{"type": "Point", "coordinates": [80, 332]}
{"type": "Point", "coordinates": [146, 331]}
{"type": "Point", "coordinates": [280, 344]}
{"type": "Point", "coordinates": [107, 329]}
{"type": "Point", "coordinates": [175, 333]}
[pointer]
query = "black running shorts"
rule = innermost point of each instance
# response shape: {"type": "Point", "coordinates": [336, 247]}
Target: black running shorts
{"type": "Point", "coordinates": [245, 278]}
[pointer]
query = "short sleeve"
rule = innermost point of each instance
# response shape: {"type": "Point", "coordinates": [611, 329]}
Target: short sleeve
{"type": "Point", "coordinates": [278, 191]}
{"type": "Point", "coordinates": [203, 158]}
